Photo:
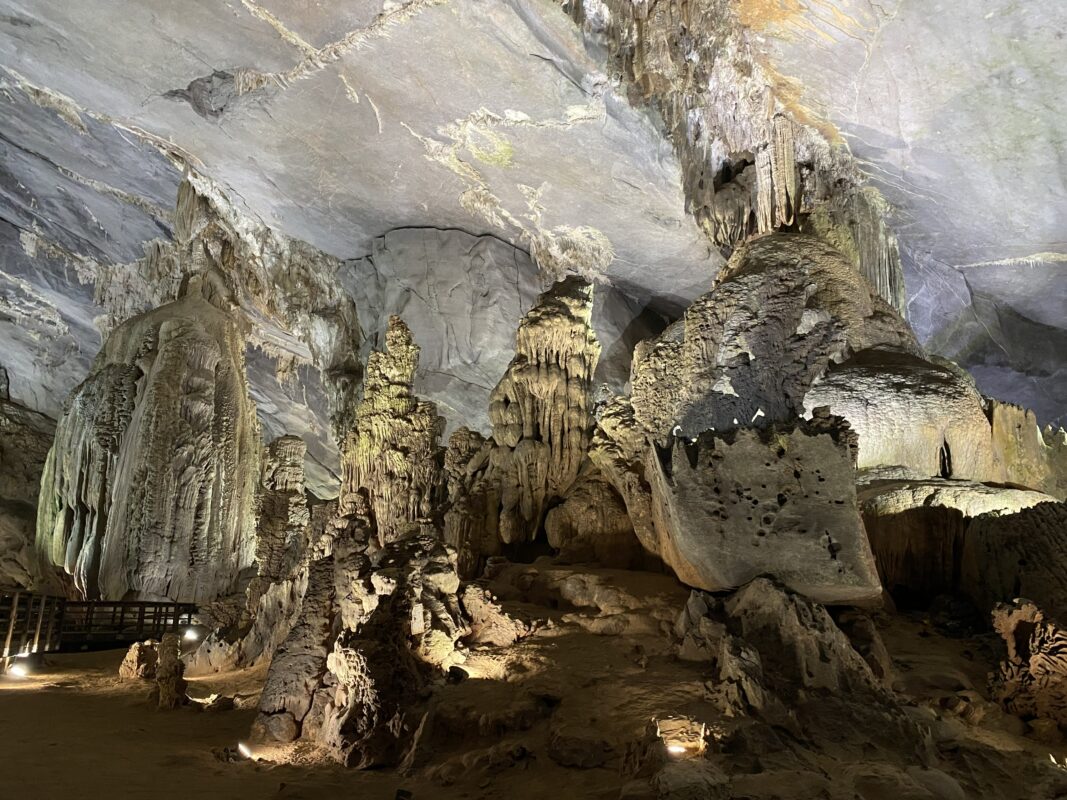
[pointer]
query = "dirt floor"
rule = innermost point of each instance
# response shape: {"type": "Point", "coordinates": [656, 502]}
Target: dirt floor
{"type": "Point", "coordinates": [74, 730]}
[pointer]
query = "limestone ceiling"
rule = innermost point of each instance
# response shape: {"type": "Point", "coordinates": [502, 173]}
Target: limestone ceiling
{"type": "Point", "coordinates": [953, 110]}
{"type": "Point", "coordinates": [500, 118]}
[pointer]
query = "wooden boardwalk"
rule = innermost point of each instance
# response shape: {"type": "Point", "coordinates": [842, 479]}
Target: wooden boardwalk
{"type": "Point", "coordinates": [35, 623]}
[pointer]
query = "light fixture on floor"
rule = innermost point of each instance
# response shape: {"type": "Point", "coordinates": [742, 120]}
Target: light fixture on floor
{"type": "Point", "coordinates": [19, 670]}
{"type": "Point", "coordinates": [683, 737]}
{"type": "Point", "coordinates": [191, 635]}
{"type": "Point", "coordinates": [245, 750]}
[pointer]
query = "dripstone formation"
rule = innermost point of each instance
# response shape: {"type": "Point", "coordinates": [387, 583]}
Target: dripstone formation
{"type": "Point", "coordinates": [149, 487]}
{"type": "Point", "coordinates": [711, 519]}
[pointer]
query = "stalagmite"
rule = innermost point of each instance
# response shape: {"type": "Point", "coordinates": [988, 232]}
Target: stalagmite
{"type": "Point", "coordinates": [541, 415]}
{"type": "Point", "coordinates": [381, 612]}
{"type": "Point", "coordinates": [149, 488]}
{"type": "Point", "coordinates": [282, 526]}
{"type": "Point", "coordinates": [540, 410]}
{"type": "Point", "coordinates": [392, 456]}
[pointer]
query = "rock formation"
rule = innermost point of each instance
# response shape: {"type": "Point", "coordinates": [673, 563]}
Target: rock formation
{"type": "Point", "coordinates": [988, 543]}
{"type": "Point", "coordinates": [392, 456]}
{"type": "Point", "coordinates": [730, 507]}
{"type": "Point", "coordinates": [25, 438]}
{"type": "Point", "coordinates": [380, 612]}
{"type": "Point", "coordinates": [925, 418]}
{"type": "Point", "coordinates": [541, 415]}
{"type": "Point", "coordinates": [781, 313]}
{"type": "Point", "coordinates": [1032, 681]}
{"type": "Point", "coordinates": [283, 519]}
{"type": "Point", "coordinates": [249, 627]}
{"type": "Point", "coordinates": [540, 409]}
{"type": "Point", "coordinates": [592, 525]}
{"type": "Point", "coordinates": [140, 661]}
{"type": "Point", "coordinates": [169, 673]}
{"type": "Point", "coordinates": [150, 485]}
{"type": "Point", "coordinates": [1026, 455]}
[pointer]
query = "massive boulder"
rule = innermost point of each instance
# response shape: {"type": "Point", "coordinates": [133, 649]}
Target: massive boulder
{"type": "Point", "coordinates": [779, 501]}
{"type": "Point", "coordinates": [25, 438]}
{"type": "Point", "coordinates": [149, 488]}
{"type": "Point", "coordinates": [784, 309]}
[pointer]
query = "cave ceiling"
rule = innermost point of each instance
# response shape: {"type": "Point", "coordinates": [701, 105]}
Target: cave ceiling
{"type": "Point", "coordinates": [433, 146]}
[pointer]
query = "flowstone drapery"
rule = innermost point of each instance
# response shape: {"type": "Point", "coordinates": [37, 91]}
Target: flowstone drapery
{"type": "Point", "coordinates": [149, 488]}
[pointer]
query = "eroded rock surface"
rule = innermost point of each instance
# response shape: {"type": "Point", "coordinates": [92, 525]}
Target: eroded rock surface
{"type": "Point", "coordinates": [781, 501]}
{"type": "Point", "coordinates": [25, 439]}
{"type": "Point", "coordinates": [149, 488]}
{"type": "Point", "coordinates": [991, 543]}
{"type": "Point", "coordinates": [783, 310]}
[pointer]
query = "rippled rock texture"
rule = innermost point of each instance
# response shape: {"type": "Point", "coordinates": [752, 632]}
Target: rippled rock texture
{"type": "Point", "coordinates": [149, 488]}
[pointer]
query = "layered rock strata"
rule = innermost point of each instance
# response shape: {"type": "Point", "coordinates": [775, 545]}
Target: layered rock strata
{"type": "Point", "coordinates": [149, 488]}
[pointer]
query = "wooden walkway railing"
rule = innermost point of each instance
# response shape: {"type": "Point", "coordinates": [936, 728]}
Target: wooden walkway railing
{"type": "Point", "coordinates": [33, 623]}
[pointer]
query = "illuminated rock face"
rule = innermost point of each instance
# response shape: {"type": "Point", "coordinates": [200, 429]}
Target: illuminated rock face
{"type": "Point", "coordinates": [149, 488]}
{"type": "Point", "coordinates": [926, 418]}
{"type": "Point", "coordinates": [392, 456]}
{"type": "Point", "coordinates": [541, 415]}
{"type": "Point", "coordinates": [989, 543]}
{"type": "Point", "coordinates": [1027, 455]}
{"type": "Point", "coordinates": [25, 438]}
{"type": "Point", "coordinates": [540, 410]}
{"type": "Point", "coordinates": [780, 501]}
{"type": "Point", "coordinates": [783, 310]}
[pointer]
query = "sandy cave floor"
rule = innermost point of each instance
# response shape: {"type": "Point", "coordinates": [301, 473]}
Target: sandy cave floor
{"type": "Point", "coordinates": [74, 730]}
